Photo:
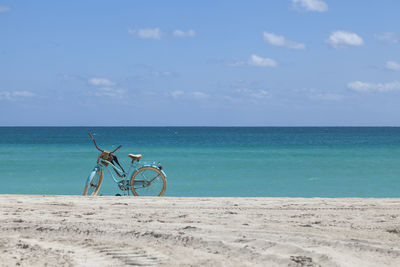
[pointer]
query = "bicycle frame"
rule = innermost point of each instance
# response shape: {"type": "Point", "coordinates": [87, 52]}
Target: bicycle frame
{"type": "Point", "coordinates": [124, 181]}
{"type": "Point", "coordinates": [106, 159]}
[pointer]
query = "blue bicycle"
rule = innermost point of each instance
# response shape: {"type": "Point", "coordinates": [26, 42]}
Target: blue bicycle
{"type": "Point", "coordinates": [147, 179]}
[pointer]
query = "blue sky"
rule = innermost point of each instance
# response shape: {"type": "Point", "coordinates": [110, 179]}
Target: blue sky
{"type": "Point", "coordinates": [217, 63]}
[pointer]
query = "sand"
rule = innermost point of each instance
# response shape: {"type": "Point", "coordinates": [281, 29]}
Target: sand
{"type": "Point", "coordinates": [121, 231]}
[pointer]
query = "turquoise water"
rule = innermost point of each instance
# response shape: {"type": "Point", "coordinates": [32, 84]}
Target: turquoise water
{"type": "Point", "coordinates": [210, 161]}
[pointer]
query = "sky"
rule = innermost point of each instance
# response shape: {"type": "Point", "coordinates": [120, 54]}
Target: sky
{"type": "Point", "coordinates": [200, 63]}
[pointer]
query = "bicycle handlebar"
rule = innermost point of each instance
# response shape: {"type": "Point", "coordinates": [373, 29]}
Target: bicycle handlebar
{"type": "Point", "coordinates": [116, 148]}
{"type": "Point", "coordinates": [94, 141]}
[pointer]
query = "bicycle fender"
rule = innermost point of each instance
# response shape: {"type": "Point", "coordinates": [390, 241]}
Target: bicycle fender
{"type": "Point", "coordinates": [91, 176]}
{"type": "Point", "coordinates": [154, 166]}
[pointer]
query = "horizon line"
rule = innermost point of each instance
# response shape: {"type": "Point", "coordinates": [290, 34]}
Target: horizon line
{"type": "Point", "coordinates": [209, 126]}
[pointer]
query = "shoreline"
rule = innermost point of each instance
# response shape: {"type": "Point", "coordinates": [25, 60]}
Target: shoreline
{"type": "Point", "coordinates": [192, 231]}
{"type": "Point", "coordinates": [198, 197]}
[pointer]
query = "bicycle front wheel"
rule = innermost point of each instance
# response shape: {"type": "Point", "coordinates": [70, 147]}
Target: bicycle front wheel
{"type": "Point", "coordinates": [94, 183]}
{"type": "Point", "coordinates": [148, 181]}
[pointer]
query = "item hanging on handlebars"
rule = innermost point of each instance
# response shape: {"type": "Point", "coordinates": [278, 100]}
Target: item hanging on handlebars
{"type": "Point", "coordinates": [110, 157]}
{"type": "Point", "coordinates": [116, 161]}
{"type": "Point", "coordinates": [106, 155]}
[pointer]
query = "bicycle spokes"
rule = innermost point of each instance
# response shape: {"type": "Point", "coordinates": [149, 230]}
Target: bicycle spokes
{"type": "Point", "coordinates": [149, 182]}
{"type": "Point", "coordinates": [94, 184]}
{"type": "Point", "coordinates": [147, 179]}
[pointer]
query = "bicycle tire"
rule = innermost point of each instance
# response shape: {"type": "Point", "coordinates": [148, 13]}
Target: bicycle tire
{"type": "Point", "coordinates": [93, 188]}
{"type": "Point", "coordinates": [157, 186]}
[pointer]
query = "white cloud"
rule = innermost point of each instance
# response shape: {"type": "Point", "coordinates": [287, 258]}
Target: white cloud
{"type": "Point", "coordinates": [100, 82]}
{"type": "Point", "coordinates": [279, 40]}
{"type": "Point", "coordinates": [157, 34]}
{"type": "Point", "coordinates": [273, 39]}
{"type": "Point", "coordinates": [359, 86]}
{"type": "Point", "coordinates": [310, 5]}
{"type": "Point", "coordinates": [261, 62]}
{"type": "Point", "coordinates": [146, 33]}
{"type": "Point", "coordinates": [339, 39]}
{"type": "Point", "coordinates": [23, 94]}
{"type": "Point", "coordinates": [253, 93]}
{"type": "Point", "coordinates": [161, 73]}
{"type": "Point", "coordinates": [104, 88]}
{"type": "Point", "coordinates": [199, 95]}
{"type": "Point", "coordinates": [4, 9]}
{"type": "Point", "coordinates": [392, 65]}
{"type": "Point", "coordinates": [15, 95]}
{"type": "Point", "coordinates": [327, 96]}
{"type": "Point", "coordinates": [259, 94]}
{"type": "Point", "coordinates": [189, 95]}
{"type": "Point", "coordinates": [388, 37]}
{"type": "Point", "coordinates": [108, 92]}
{"type": "Point", "coordinates": [237, 63]}
{"type": "Point", "coordinates": [177, 93]}
{"type": "Point", "coordinates": [180, 33]}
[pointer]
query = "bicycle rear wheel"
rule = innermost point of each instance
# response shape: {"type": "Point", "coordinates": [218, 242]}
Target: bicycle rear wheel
{"type": "Point", "coordinates": [148, 181]}
{"type": "Point", "coordinates": [95, 180]}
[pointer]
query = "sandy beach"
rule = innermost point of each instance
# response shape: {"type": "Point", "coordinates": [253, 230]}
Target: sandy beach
{"type": "Point", "coordinates": [120, 231]}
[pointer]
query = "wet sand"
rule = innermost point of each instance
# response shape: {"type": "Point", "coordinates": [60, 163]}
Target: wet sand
{"type": "Point", "coordinates": [120, 231]}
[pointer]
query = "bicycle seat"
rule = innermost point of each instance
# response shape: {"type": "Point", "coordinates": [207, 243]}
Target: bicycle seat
{"type": "Point", "coordinates": [135, 157]}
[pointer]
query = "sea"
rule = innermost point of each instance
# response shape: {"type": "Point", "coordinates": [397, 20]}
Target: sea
{"type": "Point", "coordinates": [210, 161]}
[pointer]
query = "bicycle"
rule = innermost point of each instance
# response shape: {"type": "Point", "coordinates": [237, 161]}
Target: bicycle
{"type": "Point", "coordinates": [146, 179]}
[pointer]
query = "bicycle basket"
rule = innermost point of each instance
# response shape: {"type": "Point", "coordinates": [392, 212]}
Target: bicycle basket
{"type": "Point", "coordinates": [106, 156]}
